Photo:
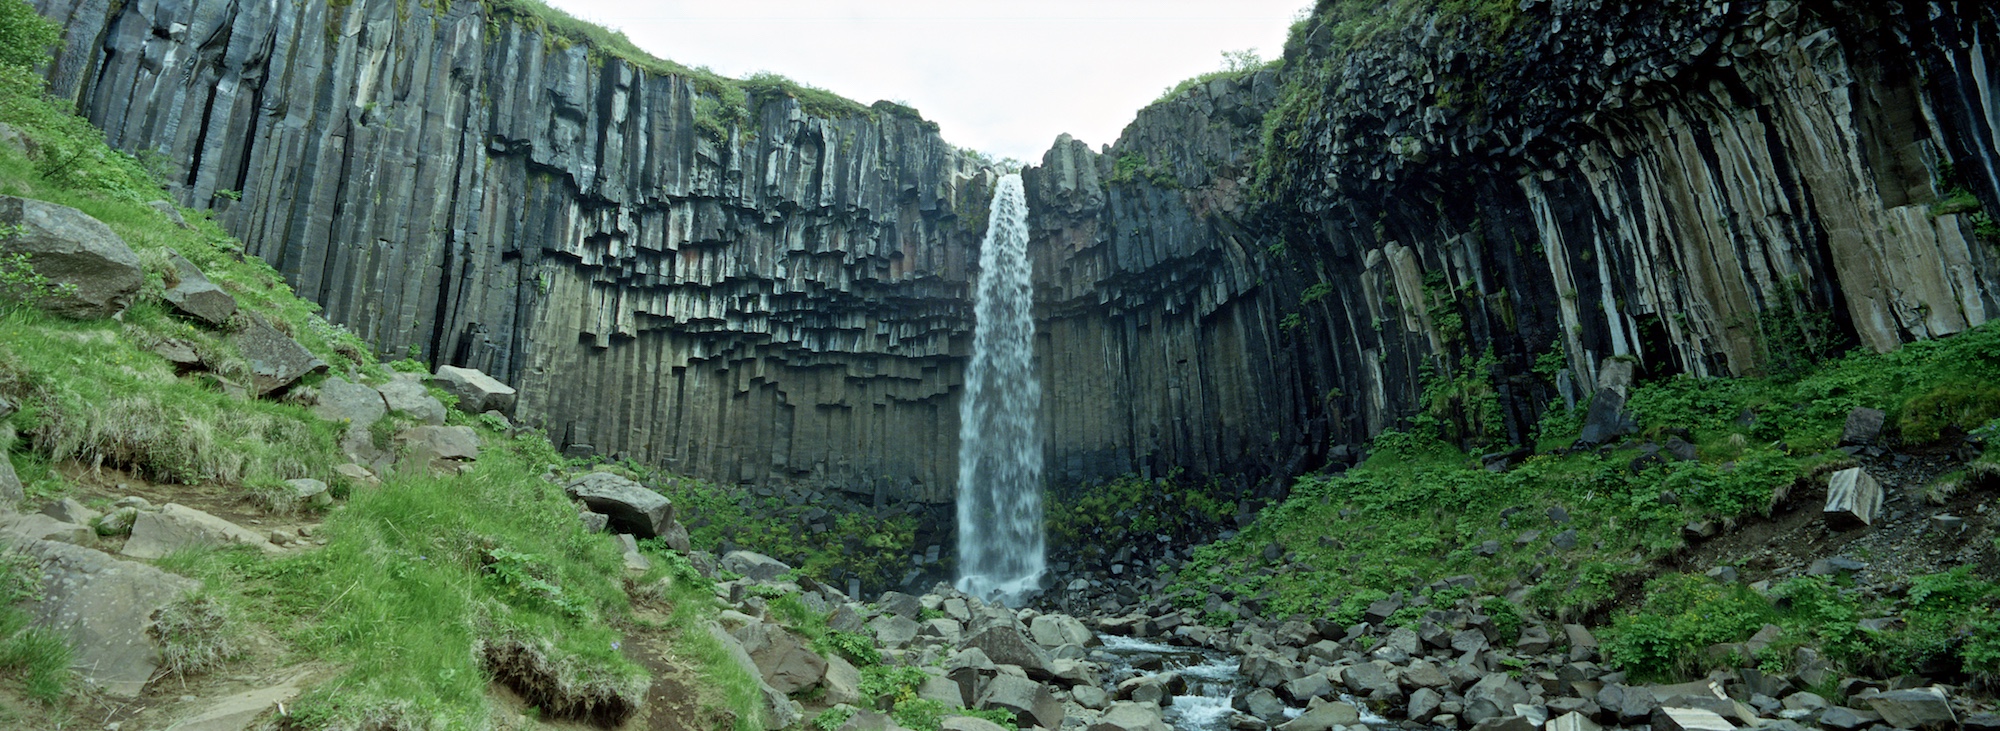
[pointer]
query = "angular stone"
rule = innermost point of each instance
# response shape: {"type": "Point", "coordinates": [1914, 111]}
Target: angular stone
{"type": "Point", "coordinates": [1263, 704]}
{"type": "Point", "coordinates": [968, 723]}
{"type": "Point", "coordinates": [1424, 704]}
{"type": "Point", "coordinates": [1916, 708]}
{"type": "Point", "coordinates": [1128, 717]}
{"type": "Point", "coordinates": [1029, 701]}
{"type": "Point", "coordinates": [174, 527]}
{"type": "Point", "coordinates": [406, 393]}
{"type": "Point", "coordinates": [197, 297]}
{"type": "Point", "coordinates": [276, 360]}
{"type": "Point", "coordinates": [1505, 723]}
{"type": "Point", "coordinates": [1605, 419]}
{"type": "Point", "coordinates": [635, 509]}
{"type": "Point", "coordinates": [1841, 718]}
{"type": "Point", "coordinates": [1573, 721]}
{"type": "Point", "coordinates": [1055, 630]}
{"type": "Point", "coordinates": [1689, 719]}
{"type": "Point", "coordinates": [783, 660]}
{"type": "Point", "coordinates": [96, 274]}
{"type": "Point", "coordinates": [21, 528]}
{"type": "Point", "coordinates": [753, 565]}
{"type": "Point", "coordinates": [944, 691]}
{"type": "Point", "coordinates": [1090, 697]}
{"type": "Point", "coordinates": [1326, 717]}
{"type": "Point", "coordinates": [1005, 645]}
{"type": "Point", "coordinates": [894, 630]}
{"type": "Point", "coordinates": [1853, 497]}
{"type": "Point", "coordinates": [780, 712]}
{"type": "Point", "coordinates": [1863, 426]}
{"type": "Point", "coordinates": [431, 444]}
{"type": "Point", "coordinates": [354, 404]}
{"type": "Point", "coordinates": [308, 491]}
{"type": "Point", "coordinates": [104, 607]}
{"type": "Point", "coordinates": [477, 392]}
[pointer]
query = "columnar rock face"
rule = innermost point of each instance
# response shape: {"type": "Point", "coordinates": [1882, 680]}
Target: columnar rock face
{"type": "Point", "coordinates": [1691, 186]}
{"type": "Point", "coordinates": [780, 301]}
{"type": "Point", "coordinates": [1699, 187]}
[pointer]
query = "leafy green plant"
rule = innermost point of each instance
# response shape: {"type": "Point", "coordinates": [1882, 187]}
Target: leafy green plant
{"type": "Point", "coordinates": [20, 284]}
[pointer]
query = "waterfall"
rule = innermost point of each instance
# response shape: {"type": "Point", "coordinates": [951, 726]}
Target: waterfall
{"type": "Point", "coordinates": [1000, 542]}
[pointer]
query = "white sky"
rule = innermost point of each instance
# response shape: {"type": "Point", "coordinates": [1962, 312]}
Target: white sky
{"type": "Point", "coordinates": [1002, 76]}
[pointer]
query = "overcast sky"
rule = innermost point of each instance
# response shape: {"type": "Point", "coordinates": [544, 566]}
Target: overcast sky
{"type": "Point", "coordinates": [1002, 76]}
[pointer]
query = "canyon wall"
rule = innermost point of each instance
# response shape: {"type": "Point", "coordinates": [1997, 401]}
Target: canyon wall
{"type": "Point", "coordinates": [1695, 187]}
{"type": "Point", "coordinates": [1455, 218]}
{"type": "Point", "coordinates": [782, 299]}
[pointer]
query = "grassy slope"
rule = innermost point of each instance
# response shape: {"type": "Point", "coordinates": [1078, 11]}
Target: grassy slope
{"type": "Point", "coordinates": [418, 575]}
{"type": "Point", "coordinates": [1419, 510]}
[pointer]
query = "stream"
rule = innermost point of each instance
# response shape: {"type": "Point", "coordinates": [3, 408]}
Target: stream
{"type": "Point", "coordinates": [1212, 681]}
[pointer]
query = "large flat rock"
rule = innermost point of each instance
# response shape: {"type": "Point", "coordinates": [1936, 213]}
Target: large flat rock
{"type": "Point", "coordinates": [96, 274]}
{"type": "Point", "coordinates": [104, 606]}
{"type": "Point", "coordinates": [176, 526]}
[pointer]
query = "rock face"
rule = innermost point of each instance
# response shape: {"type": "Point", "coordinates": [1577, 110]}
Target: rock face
{"type": "Point", "coordinates": [785, 300]}
{"type": "Point", "coordinates": [96, 273]}
{"type": "Point", "coordinates": [1694, 187]}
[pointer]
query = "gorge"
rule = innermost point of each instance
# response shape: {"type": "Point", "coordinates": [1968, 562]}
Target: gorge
{"type": "Point", "coordinates": [1502, 365]}
{"type": "Point", "coordinates": [1251, 282]}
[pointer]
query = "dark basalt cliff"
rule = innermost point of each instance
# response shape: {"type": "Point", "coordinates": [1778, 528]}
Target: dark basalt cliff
{"type": "Point", "coordinates": [1263, 269]}
{"type": "Point", "coordinates": [1698, 187]}
{"type": "Point", "coordinates": [786, 304]}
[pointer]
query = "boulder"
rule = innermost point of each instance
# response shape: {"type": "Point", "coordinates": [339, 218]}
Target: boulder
{"type": "Point", "coordinates": [308, 491]}
{"type": "Point", "coordinates": [1263, 704]}
{"type": "Point", "coordinates": [1031, 703]}
{"type": "Point", "coordinates": [1853, 497]}
{"type": "Point", "coordinates": [1424, 703]}
{"type": "Point", "coordinates": [1916, 708]}
{"type": "Point", "coordinates": [1841, 718]}
{"type": "Point", "coordinates": [1306, 688]}
{"type": "Point", "coordinates": [968, 723]}
{"type": "Point", "coordinates": [1005, 645]}
{"type": "Point", "coordinates": [894, 631]}
{"type": "Point", "coordinates": [477, 392]}
{"type": "Point", "coordinates": [1055, 630]}
{"type": "Point", "coordinates": [1689, 719]}
{"type": "Point", "coordinates": [104, 607]}
{"type": "Point", "coordinates": [276, 360]}
{"type": "Point", "coordinates": [350, 403]}
{"type": "Point", "coordinates": [944, 691]}
{"type": "Point", "coordinates": [154, 535]}
{"type": "Point", "coordinates": [635, 509]}
{"type": "Point", "coordinates": [782, 659]}
{"type": "Point", "coordinates": [1606, 419]}
{"type": "Point", "coordinates": [898, 603]}
{"type": "Point", "coordinates": [197, 297]}
{"type": "Point", "coordinates": [69, 510]}
{"type": "Point", "coordinates": [1505, 723]}
{"type": "Point", "coordinates": [95, 273]}
{"type": "Point", "coordinates": [1373, 681]}
{"type": "Point", "coordinates": [1573, 721]}
{"type": "Point", "coordinates": [1863, 426]}
{"type": "Point", "coordinates": [753, 565]}
{"type": "Point", "coordinates": [780, 712]}
{"type": "Point", "coordinates": [406, 393]}
{"type": "Point", "coordinates": [1130, 717]}
{"type": "Point", "coordinates": [22, 528]}
{"type": "Point", "coordinates": [431, 444]}
{"type": "Point", "coordinates": [1090, 697]}
{"type": "Point", "coordinates": [1326, 717]}
{"type": "Point", "coordinates": [1492, 697]}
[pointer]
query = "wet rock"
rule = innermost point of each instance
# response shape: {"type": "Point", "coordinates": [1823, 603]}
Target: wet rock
{"type": "Point", "coordinates": [1130, 717]}
{"type": "Point", "coordinates": [95, 273]}
{"type": "Point", "coordinates": [635, 509]}
{"type": "Point", "coordinates": [104, 607]}
{"type": "Point", "coordinates": [197, 297]}
{"type": "Point", "coordinates": [1263, 704]}
{"type": "Point", "coordinates": [1853, 497]}
{"type": "Point", "coordinates": [174, 527]}
{"type": "Point", "coordinates": [1325, 717]}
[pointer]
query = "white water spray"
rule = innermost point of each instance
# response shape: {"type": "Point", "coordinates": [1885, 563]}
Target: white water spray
{"type": "Point", "coordinates": [1000, 542]}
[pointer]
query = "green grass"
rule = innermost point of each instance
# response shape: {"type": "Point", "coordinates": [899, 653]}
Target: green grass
{"type": "Point", "coordinates": [36, 658]}
{"type": "Point", "coordinates": [1950, 622]}
{"type": "Point", "coordinates": [1420, 509]}
{"type": "Point", "coordinates": [413, 588]}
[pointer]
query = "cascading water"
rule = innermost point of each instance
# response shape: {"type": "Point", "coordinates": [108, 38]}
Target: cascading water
{"type": "Point", "coordinates": [1000, 542]}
